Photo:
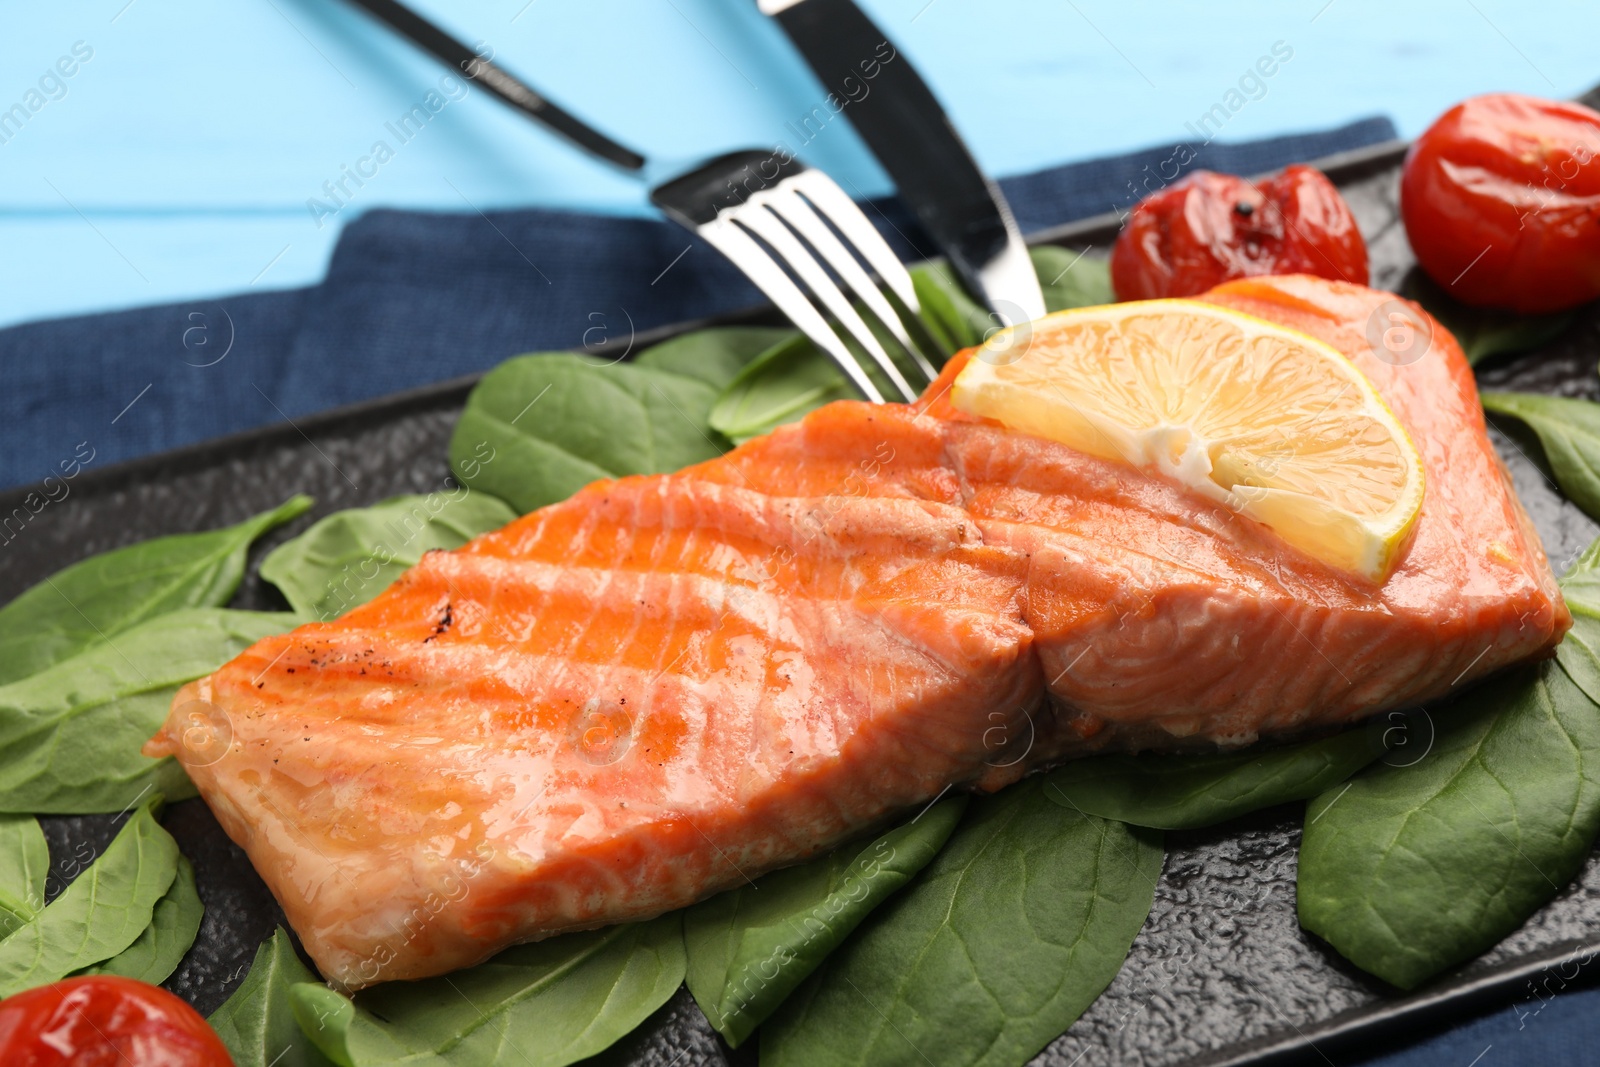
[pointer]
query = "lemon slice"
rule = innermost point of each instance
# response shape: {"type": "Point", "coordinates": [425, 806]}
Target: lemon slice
{"type": "Point", "coordinates": [1267, 421]}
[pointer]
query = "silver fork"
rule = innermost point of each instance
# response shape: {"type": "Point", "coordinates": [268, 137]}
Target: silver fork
{"type": "Point", "coordinates": [776, 219]}
{"type": "Point", "coordinates": [743, 201]}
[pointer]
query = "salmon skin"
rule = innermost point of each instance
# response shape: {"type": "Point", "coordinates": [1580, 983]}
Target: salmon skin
{"type": "Point", "coordinates": [666, 685]}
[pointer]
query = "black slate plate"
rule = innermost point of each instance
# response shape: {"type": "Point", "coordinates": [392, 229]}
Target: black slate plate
{"type": "Point", "coordinates": [1221, 973]}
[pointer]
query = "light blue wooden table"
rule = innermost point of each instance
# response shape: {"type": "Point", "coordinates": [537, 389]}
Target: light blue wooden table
{"type": "Point", "coordinates": [179, 156]}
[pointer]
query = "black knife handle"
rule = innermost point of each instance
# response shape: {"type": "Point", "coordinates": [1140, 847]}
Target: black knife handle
{"type": "Point", "coordinates": [898, 115]}
{"type": "Point", "coordinates": [510, 89]}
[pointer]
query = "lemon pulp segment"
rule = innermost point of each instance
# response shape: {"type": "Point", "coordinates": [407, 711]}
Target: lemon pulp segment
{"type": "Point", "coordinates": [1268, 421]}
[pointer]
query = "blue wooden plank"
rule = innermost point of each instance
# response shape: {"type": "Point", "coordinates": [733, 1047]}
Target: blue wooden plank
{"type": "Point", "coordinates": [196, 133]}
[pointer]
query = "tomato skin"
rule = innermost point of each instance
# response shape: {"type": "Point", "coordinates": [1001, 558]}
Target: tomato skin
{"type": "Point", "coordinates": [1501, 201]}
{"type": "Point", "coordinates": [1209, 228]}
{"type": "Point", "coordinates": [105, 1021]}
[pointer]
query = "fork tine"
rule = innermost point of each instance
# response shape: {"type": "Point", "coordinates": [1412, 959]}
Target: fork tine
{"type": "Point", "coordinates": [832, 204]}
{"type": "Point", "coordinates": [794, 209]}
{"type": "Point", "coordinates": [770, 278]}
{"type": "Point", "coordinates": [770, 228]}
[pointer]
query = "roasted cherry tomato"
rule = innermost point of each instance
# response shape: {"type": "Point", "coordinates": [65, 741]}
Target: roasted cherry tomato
{"type": "Point", "coordinates": [1501, 200]}
{"type": "Point", "coordinates": [105, 1021]}
{"type": "Point", "coordinates": [1208, 228]}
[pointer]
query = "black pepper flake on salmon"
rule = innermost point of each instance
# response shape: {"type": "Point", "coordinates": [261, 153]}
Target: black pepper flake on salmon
{"type": "Point", "coordinates": [442, 626]}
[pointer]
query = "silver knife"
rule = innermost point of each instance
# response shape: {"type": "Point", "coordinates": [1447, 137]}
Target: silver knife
{"type": "Point", "coordinates": [901, 121]}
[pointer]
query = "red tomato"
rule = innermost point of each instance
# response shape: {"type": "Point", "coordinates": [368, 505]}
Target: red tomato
{"type": "Point", "coordinates": [105, 1021]}
{"type": "Point", "coordinates": [1501, 200]}
{"type": "Point", "coordinates": [1208, 228]}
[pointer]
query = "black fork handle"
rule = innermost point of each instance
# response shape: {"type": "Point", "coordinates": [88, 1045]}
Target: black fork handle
{"type": "Point", "coordinates": [496, 80]}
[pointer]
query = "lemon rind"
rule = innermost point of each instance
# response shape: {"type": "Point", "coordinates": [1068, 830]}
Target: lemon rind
{"type": "Point", "coordinates": [1151, 447]}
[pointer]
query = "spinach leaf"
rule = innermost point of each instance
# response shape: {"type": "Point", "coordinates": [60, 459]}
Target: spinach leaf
{"type": "Point", "coordinates": [92, 601]}
{"type": "Point", "coordinates": [1182, 792]}
{"type": "Point", "coordinates": [542, 1005]}
{"type": "Point", "coordinates": [714, 355]}
{"type": "Point", "coordinates": [1483, 332]}
{"type": "Point", "coordinates": [256, 1022]}
{"type": "Point", "coordinates": [1072, 279]}
{"type": "Point", "coordinates": [1579, 651]}
{"type": "Point", "coordinates": [174, 922]}
{"type": "Point", "coordinates": [351, 556]}
{"type": "Point", "coordinates": [102, 912]}
{"type": "Point", "coordinates": [750, 947]}
{"type": "Point", "coordinates": [779, 386]}
{"type": "Point", "coordinates": [794, 378]}
{"type": "Point", "coordinates": [1569, 430]}
{"type": "Point", "coordinates": [1067, 279]}
{"type": "Point", "coordinates": [955, 318]}
{"type": "Point", "coordinates": [1408, 870]}
{"type": "Point", "coordinates": [24, 864]}
{"type": "Point", "coordinates": [996, 947]}
{"type": "Point", "coordinates": [540, 427]}
{"type": "Point", "coordinates": [70, 735]}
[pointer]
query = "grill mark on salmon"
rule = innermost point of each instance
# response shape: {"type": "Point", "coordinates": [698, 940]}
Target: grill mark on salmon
{"type": "Point", "coordinates": [667, 685]}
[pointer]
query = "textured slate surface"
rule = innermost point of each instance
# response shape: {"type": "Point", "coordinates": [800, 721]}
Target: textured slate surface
{"type": "Point", "coordinates": [1220, 965]}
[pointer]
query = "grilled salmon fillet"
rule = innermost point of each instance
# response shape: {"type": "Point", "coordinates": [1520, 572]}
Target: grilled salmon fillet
{"type": "Point", "coordinates": [666, 685]}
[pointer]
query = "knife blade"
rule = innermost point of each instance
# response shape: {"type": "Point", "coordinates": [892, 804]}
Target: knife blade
{"type": "Point", "coordinates": [903, 124]}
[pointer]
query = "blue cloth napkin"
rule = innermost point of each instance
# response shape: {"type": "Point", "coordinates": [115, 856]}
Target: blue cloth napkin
{"type": "Point", "coordinates": [1547, 1025]}
{"type": "Point", "coordinates": [412, 298]}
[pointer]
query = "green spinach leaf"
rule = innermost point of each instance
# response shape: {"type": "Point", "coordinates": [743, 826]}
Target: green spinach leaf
{"type": "Point", "coordinates": [794, 378]}
{"type": "Point", "coordinates": [714, 355]}
{"type": "Point", "coordinates": [1409, 870]}
{"type": "Point", "coordinates": [1067, 279]}
{"type": "Point", "coordinates": [1072, 279]}
{"type": "Point", "coordinates": [779, 386]}
{"type": "Point", "coordinates": [1183, 792]}
{"type": "Point", "coordinates": [174, 922]}
{"type": "Point", "coordinates": [102, 912]}
{"type": "Point", "coordinates": [24, 865]}
{"type": "Point", "coordinates": [1579, 651]}
{"type": "Point", "coordinates": [989, 954]}
{"type": "Point", "coordinates": [93, 601]}
{"type": "Point", "coordinates": [750, 947]}
{"type": "Point", "coordinates": [540, 427]}
{"type": "Point", "coordinates": [1569, 430]}
{"type": "Point", "coordinates": [70, 735]}
{"type": "Point", "coordinates": [1483, 332]}
{"type": "Point", "coordinates": [956, 319]}
{"type": "Point", "coordinates": [542, 1005]}
{"type": "Point", "coordinates": [351, 556]}
{"type": "Point", "coordinates": [256, 1022]}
